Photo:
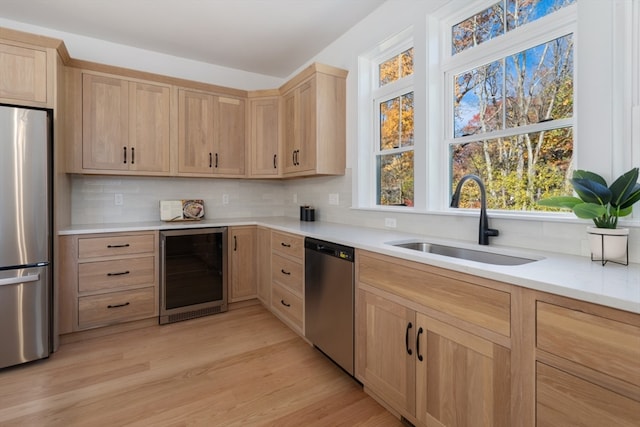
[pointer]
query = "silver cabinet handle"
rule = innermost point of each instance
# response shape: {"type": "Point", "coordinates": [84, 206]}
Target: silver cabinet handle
{"type": "Point", "coordinates": [18, 280]}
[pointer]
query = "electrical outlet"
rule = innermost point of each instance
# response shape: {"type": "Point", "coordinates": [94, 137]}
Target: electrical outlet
{"type": "Point", "coordinates": [390, 222]}
{"type": "Point", "coordinates": [295, 198]}
{"type": "Point", "coordinates": [225, 199]}
{"type": "Point", "coordinates": [334, 199]}
{"type": "Point", "coordinates": [118, 200]}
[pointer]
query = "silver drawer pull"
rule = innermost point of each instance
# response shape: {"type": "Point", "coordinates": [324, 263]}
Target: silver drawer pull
{"type": "Point", "coordinates": [118, 305]}
{"type": "Point", "coordinates": [126, 245]}
{"type": "Point", "coordinates": [121, 273]}
{"type": "Point", "coordinates": [18, 280]}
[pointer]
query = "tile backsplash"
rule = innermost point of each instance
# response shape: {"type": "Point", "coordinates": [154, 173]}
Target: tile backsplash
{"type": "Point", "coordinates": [93, 199]}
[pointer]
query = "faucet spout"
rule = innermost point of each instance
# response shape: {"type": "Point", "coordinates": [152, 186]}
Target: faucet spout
{"type": "Point", "coordinates": [484, 232]}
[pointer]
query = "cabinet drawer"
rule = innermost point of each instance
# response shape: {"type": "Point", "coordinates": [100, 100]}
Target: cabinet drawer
{"type": "Point", "coordinates": [105, 275]}
{"type": "Point", "coordinates": [287, 272]}
{"type": "Point", "coordinates": [287, 304]}
{"type": "Point", "coordinates": [288, 244]}
{"type": "Point", "coordinates": [116, 307]}
{"type": "Point", "coordinates": [431, 287]}
{"type": "Point", "coordinates": [565, 400]}
{"type": "Point", "coordinates": [599, 343]}
{"type": "Point", "coordinates": [92, 247]}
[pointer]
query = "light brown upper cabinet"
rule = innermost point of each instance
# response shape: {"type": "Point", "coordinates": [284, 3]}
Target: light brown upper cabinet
{"type": "Point", "coordinates": [211, 134]}
{"type": "Point", "coordinates": [264, 139]}
{"type": "Point", "coordinates": [125, 126]}
{"type": "Point", "coordinates": [125, 122]}
{"type": "Point", "coordinates": [314, 122]}
{"type": "Point", "coordinates": [24, 74]}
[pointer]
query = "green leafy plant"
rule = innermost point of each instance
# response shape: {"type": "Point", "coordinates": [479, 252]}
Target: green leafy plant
{"type": "Point", "coordinates": [596, 200]}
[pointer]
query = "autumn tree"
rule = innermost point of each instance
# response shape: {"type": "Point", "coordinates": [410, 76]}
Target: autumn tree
{"type": "Point", "coordinates": [528, 87]}
{"type": "Point", "coordinates": [395, 168]}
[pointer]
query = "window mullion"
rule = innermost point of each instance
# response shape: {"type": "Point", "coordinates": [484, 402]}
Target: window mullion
{"type": "Point", "coordinates": [505, 133]}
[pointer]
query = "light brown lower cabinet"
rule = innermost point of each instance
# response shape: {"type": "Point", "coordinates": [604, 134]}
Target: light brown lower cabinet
{"type": "Point", "coordinates": [443, 348]}
{"type": "Point", "coordinates": [563, 399]}
{"type": "Point", "coordinates": [587, 364]}
{"type": "Point", "coordinates": [106, 279]}
{"type": "Point", "coordinates": [242, 261]}
{"type": "Point", "coordinates": [287, 279]}
{"type": "Point", "coordinates": [431, 372]}
{"type": "Point", "coordinates": [264, 265]}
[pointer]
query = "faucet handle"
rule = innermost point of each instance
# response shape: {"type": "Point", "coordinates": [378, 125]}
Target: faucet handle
{"type": "Point", "coordinates": [491, 232]}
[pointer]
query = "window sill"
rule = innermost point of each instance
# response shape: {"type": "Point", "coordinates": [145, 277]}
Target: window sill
{"type": "Point", "coordinates": [568, 218]}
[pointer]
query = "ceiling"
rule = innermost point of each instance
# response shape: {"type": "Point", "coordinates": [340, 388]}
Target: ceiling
{"type": "Point", "coordinates": [270, 37]}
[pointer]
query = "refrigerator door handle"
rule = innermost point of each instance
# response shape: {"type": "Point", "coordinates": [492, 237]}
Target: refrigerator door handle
{"type": "Point", "coordinates": [18, 280]}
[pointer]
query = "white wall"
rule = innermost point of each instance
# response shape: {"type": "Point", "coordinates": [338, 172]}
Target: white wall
{"type": "Point", "coordinates": [103, 52]}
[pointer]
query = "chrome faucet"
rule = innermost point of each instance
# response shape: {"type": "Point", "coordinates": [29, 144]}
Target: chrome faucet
{"type": "Point", "coordinates": [484, 230]}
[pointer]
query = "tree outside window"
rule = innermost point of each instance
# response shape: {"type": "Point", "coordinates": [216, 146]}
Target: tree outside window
{"type": "Point", "coordinates": [512, 117]}
{"type": "Point", "coordinates": [394, 151]}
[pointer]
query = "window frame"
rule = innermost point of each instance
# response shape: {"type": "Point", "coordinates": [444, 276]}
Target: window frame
{"type": "Point", "coordinates": [375, 96]}
{"type": "Point", "coordinates": [542, 30]}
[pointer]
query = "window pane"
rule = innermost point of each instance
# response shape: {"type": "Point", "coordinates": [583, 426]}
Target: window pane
{"type": "Point", "coordinates": [406, 59]}
{"type": "Point", "coordinates": [478, 101]}
{"type": "Point", "coordinates": [395, 68]}
{"type": "Point", "coordinates": [396, 122]}
{"type": "Point", "coordinates": [477, 29]}
{"type": "Point", "coordinates": [539, 83]}
{"type": "Point", "coordinates": [395, 179]}
{"type": "Point", "coordinates": [517, 171]}
{"type": "Point", "coordinates": [520, 12]}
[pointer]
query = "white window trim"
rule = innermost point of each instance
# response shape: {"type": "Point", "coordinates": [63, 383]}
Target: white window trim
{"type": "Point", "coordinates": [368, 112]}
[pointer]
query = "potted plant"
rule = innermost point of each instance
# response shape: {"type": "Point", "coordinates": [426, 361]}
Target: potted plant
{"type": "Point", "coordinates": [603, 204]}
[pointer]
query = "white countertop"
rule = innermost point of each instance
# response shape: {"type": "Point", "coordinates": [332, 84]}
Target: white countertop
{"type": "Point", "coordinates": [576, 277]}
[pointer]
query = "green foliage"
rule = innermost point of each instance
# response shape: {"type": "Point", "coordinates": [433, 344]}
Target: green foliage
{"type": "Point", "coordinates": [596, 201]}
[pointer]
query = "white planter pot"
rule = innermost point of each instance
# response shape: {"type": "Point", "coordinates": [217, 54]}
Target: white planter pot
{"type": "Point", "coordinates": [609, 244]}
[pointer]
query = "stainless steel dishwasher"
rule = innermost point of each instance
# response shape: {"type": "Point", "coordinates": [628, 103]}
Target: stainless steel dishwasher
{"type": "Point", "coordinates": [329, 300]}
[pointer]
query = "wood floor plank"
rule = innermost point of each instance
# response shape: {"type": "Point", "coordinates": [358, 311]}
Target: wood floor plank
{"type": "Point", "coordinates": [240, 368]}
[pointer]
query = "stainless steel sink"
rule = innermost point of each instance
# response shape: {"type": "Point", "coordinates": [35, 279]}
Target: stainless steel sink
{"type": "Point", "coordinates": [462, 253]}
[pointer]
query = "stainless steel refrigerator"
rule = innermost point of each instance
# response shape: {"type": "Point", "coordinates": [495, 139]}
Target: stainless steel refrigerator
{"type": "Point", "coordinates": [25, 235]}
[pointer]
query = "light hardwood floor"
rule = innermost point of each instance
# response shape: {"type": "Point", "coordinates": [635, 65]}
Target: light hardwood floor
{"type": "Point", "coordinates": [240, 368]}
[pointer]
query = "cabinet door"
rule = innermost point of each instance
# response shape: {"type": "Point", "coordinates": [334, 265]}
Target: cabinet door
{"type": "Point", "coordinates": [230, 140]}
{"type": "Point", "coordinates": [264, 141]}
{"type": "Point", "coordinates": [306, 122]}
{"type": "Point", "coordinates": [242, 247]}
{"type": "Point", "coordinates": [105, 123]}
{"type": "Point", "coordinates": [290, 136]}
{"type": "Point", "coordinates": [149, 127]}
{"type": "Point", "coordinates": [24, 73]}
{"type": "Point", "coordinates": [195, 132]}
{"type": "Point", "coordinates": [385, 350]}
{"type": "Point", "coordinates": [264, 265]}
{"type": "Point", "coordinates": [462, 379]}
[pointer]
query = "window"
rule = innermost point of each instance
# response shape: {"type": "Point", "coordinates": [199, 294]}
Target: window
{"type": "Point", "coordinates": [509, 94]}
{"type": "Point", "coordinates": [394, 136]}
